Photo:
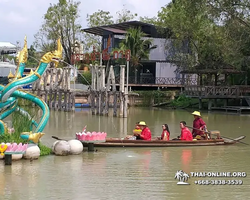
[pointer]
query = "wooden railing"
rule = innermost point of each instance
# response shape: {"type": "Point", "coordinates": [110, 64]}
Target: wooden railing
{"type": "Point", "coordinates": [160, 81]}
{"type": "Point", "coordinates": [217, 91]}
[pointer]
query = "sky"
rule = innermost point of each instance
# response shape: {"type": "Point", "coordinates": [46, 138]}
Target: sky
{"type": "Point", "coordinates": [24, 17]}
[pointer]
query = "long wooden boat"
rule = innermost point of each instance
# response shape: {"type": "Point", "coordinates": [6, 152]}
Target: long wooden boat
{"type": "Point", "coordinates": [116, 142]}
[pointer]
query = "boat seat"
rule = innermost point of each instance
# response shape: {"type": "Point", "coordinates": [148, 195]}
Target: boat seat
{"type": "Point", "coordinates": [215, 132]}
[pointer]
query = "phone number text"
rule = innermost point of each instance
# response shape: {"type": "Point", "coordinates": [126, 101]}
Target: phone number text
{"type": "Point", "coordinates": [218, 182]}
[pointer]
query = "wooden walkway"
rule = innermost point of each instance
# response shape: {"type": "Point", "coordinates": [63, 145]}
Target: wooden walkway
{"type": "Point", "coordinates": [233, 109]}
{"type": "Point", "coordinates": [218, 92]}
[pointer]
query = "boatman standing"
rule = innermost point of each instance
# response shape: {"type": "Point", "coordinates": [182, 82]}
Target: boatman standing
{"type": "Point", "coordinates": [198, 123]}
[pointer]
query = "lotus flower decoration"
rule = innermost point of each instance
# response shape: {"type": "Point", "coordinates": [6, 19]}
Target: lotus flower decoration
{"type": "Point", "coordinates": [13, 147]}
{"type": "Point", "coordinates": [91, 136]}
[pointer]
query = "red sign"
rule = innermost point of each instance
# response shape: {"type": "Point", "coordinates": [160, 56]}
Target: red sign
{"type": "Point", "coordinates": [104, 55]}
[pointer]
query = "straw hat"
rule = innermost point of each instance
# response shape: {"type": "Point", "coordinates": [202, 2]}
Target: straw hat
{"type": "Point", "coordinates": [142, 123]}
{"type": "Point", "coordinates": [196, 113]}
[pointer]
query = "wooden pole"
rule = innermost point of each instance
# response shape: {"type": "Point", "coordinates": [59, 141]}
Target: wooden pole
{"type": "Point", "coordinates": [98, 102]}
{"type": "Point", "coordinates": [60, 99]}
{"type": "Point", "coordinates": [65, 100]}
{"type": "Point", "coordinates": [92, 97]}
{"type": "Point", "coordinates": [127, 73]}
{"type": "Point", "coordinates": [125, 114]}
{"type": "Point", "coordinates": [122, 77]}
{"type": "Point", "coordinates": [107, 103]}
{"type": "Point", "coordinates": [102, 76]}
{"type": "Point", "coordinates": [115, 103]}
{"type": "Point", "coordinates": [102, 102]}
{"type": "Point", "coordinates": [55, 100]}
{"type": "Point", "coordinates": [102, 89]}
{"type": "Point", "coordinates": [73, 101]}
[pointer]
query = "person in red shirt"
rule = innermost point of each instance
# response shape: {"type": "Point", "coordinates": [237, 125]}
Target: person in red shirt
{"type": "Point", "coordinates": [145, 134]}
{"type": "Point", "coordinates": [165, 132]}
{"type": "Point", "coordinates": [185, 132]}
{"type": "Point", "coordinates": [198, 123]}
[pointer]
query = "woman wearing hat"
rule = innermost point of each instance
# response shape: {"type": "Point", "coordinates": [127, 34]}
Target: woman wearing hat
{"type": "Point", "coordinates": [145, 133]}
{"type": "Point", "coordinates": [198, 123]}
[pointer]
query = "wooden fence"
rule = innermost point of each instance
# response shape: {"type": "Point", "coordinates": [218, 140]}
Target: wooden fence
{"type": "Point", "coordinates": [54, 89]}
{"type": "Point", "coordinates": [235, 91]}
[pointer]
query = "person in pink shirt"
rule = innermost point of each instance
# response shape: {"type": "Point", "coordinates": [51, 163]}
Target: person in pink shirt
{"type": "Point", "coordinates": [185, 132]}
{"type": "Point", "coordinates": [198, 123]}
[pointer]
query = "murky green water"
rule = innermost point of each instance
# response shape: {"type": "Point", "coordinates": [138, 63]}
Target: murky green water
{"type": "Point", "coordinates": [130, 173]}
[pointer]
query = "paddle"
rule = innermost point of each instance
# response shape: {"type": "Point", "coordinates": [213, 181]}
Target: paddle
{"type": "Point", "coordinates": [57, 138]}
{"type": "Point", "coordinates": [209, 132]}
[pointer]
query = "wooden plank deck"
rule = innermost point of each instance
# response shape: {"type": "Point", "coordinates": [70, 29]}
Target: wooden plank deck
{"type": "Point", "coordinates": [218, 92]}
{"type": "Point", "coordinates": [234, 109]}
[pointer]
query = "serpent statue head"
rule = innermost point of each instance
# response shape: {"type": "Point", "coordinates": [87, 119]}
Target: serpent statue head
{"type": "Point", "coordinates": [22, 55]}
{"type": "Point", "coordinates": [53, 56]}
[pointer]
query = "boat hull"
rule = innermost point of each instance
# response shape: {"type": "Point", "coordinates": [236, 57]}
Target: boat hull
{"type": "Point", "coordinates": [160, 143]}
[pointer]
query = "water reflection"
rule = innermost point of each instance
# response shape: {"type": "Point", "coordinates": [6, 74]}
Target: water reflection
{"type": "Point", "coordinates": [2, 183]}
{"type": "Point", "coordinates": [128, 173]}
{"type": "Point", "coordinates": [186, 159]}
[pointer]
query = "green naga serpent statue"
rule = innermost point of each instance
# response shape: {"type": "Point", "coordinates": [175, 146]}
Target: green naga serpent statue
{"type": "Point", "coordinates": [10, 93]}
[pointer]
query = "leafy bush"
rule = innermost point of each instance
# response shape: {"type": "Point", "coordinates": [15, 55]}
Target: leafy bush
{"type": "Point", "coordinates": [156, 95]}
{"type": "Point", "coordinates": [182, 101]}
{"type": "Point", "coordinates": [44, 150]}
{"type": "Point", "coordinates": [86, 78]}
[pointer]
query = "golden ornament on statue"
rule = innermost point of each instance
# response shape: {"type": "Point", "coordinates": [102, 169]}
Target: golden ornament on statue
{"type": "Point", "coordinates": [3, 147]}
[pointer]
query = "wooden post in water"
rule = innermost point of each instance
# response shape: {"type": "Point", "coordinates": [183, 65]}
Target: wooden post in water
{"type": "Point", "coordinates": [209, 104]}
{"type": "Point", "coordinates": [102, 102]}
{"type": "Point", "coordinates": [65, 100]}
{"type": "Point", "coordinates": [122, 82]}
{"type": "Point", "coordinates": [115, 103]}
{"type": "Point", "coordinates": [60, 99]}
{"type": "Point", "coordinates": [92, 97]}
{"type": "Point", "coordinates": [106, 111]}
{"type": "Point", "coordinates": [200, 103]}
{"type": "Point", "coordinates": [101, 89]}
{"type": "Point", "coordinates": [8, 159]}
{"type": "Point", "coordinates": [125, 114]}
{"type": "Point", "coordinates": [98, 101]}
{"type": "Point", "coordinates": [96, 88]}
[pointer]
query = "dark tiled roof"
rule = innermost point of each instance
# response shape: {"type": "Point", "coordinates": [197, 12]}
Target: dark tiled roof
{"type": "Point", "coordinates": [117, 28]}
{"type": "Point", "coordinates": [114, 30]}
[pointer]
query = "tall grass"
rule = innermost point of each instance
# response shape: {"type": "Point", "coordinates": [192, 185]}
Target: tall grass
{"type": "Point", "coordinates": [22, 123]}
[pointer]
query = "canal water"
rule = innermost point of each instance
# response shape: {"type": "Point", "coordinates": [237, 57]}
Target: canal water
{"type": "Point", "coordinates": [131, 173]}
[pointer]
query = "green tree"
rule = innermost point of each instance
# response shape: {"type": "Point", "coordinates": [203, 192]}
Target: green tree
{"type": "Point", "coordinates": [32, 60]}
{"type": "Point", "coordinates": [103, 18]}
{"type": "Point", "coordinates": [148, 20]}
{"type": "Point", "coordinates": [196, 39]}
{"type": "Point", "coordinates": [60, 21]}
{"type": "Point", "coordinates": [125, 15]}
{"type": "Point", "coordinates": [140, 47]}
{"type": "Point", "coordinates": [207, 33]}
{"type": "Point", "coordinates": [99, 18]}
{"type": "Point", "coordinates": [234, 18]}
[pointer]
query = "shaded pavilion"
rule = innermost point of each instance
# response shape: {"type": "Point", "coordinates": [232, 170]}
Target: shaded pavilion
{"type": "Point", "coordinates": [214, 75]}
